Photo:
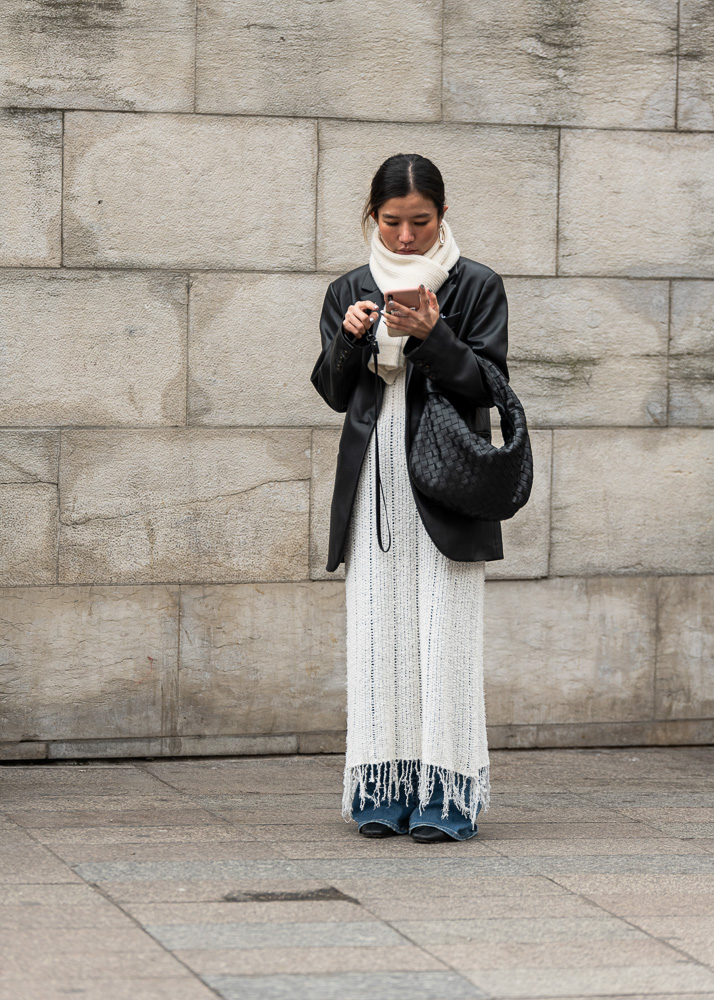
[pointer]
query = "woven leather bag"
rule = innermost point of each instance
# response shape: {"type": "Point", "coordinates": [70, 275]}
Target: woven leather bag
{"type": "Point", "coordinates": [463, 471]}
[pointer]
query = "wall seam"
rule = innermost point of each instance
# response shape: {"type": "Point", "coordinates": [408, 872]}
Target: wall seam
{"type": "Point", "coordinates": [676, 67]}
{"type": "Point", "coordinates": [670, 294]}
{"type": "Point", "coordinates": [550, 503]}
{"type": "Point", "coordinates": [557, 206]}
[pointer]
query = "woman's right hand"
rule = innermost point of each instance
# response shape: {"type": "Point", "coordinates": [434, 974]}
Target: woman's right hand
{"type": "Point", "coordinates": [359, 317]}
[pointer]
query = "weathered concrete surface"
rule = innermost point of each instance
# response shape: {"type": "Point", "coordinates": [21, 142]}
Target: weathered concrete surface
{"type": "Point", "coordinates": [191, 880]}
{"type": "Point", "coordinates": [696, 69]}
{"type": "Point", "coordinates": [373, 60]}
{"type": "Point", "coordinates": [93, 347]}
{"type": "Point", "coordinates": [262, 658]}
{"type": "Point", "coordinates": [589, 351]}
{"type": "Point", "coordinates": [30, 207]}
{"type": "Point", "coordinates": [29, 462]}
{"type": "Point", "coordinates": [254, 340]}
{"type": "Point", "coordinates": [685, 651]}
{"type": "Point", "coordinates": [184, 505]}
{"type": "Point", "coordinates": [570, 650]}
{"type": "Point", "coordinates": [598, 64]}
{"type": "Point", "coordinates": [491, 174]}
{"type": "Point", "coordinates": [691, 354]}
{"type": "Point", "coordinates": [182, 191]}
{"type": "Point", "coordinates": [88, 662]}
{"type": "Point", "coordinates": [636, 203]}
{"type": "Point", "coordinates": [136, 55]}
{"type": "Point", "coordinates": [632, 501]}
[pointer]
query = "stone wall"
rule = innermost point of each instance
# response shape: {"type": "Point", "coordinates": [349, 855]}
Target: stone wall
{"type": "Point", "coordinates": [181, 180]}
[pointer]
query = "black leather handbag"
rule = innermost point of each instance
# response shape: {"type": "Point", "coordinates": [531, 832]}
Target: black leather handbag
{"type": "Point", "coordinates": [461, 469]}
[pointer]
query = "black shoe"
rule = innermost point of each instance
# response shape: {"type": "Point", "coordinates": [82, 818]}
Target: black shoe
{"type": "Point", "coordinates": [429, 835]}
{"type": "Point", "coordinates": [377, 830]}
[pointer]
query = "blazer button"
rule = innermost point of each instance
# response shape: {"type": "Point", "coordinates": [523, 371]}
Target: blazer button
{"type": "Point", "coordinates": [427, 368]}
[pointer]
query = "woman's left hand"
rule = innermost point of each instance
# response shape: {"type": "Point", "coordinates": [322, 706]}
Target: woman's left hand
{"type": "Point", "coordinates": [414, 322]}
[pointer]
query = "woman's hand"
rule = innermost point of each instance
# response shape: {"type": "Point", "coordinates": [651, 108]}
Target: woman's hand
{"type": "Point", "coordinates": [414, 322]}
{"type": "Point", "coordinates": [359, 317]}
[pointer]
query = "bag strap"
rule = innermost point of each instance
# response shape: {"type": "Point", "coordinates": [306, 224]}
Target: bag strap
{"type": "Point", "coordinates": [374, 348]}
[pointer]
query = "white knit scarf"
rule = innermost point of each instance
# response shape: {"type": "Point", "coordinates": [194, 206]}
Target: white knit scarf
{"type": "Point", "coordinates": [392, 271]}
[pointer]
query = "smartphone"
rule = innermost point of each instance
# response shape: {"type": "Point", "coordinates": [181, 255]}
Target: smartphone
{"type": "Point", "coordinates": [407, 296]}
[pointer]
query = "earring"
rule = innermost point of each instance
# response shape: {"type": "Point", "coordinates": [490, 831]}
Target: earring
{"type": "Point", "coordinates": [442, 235]}
{"type": "Point", "coordinates": [379, 233]}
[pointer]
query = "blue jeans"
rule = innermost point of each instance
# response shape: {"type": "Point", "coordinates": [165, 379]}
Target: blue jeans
{"type": "Point", "coordinates": [402, 813]}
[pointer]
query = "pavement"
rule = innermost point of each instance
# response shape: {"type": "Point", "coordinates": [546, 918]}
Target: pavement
{"type": "Point", "coordinates": [592, 875]}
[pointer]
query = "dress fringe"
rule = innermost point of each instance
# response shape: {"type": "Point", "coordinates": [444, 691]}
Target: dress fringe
{"type": "Point", "coordinates": [389, 777]}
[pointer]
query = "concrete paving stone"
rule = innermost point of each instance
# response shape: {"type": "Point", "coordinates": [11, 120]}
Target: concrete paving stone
{"type": "Point", "coordinates": [149, 852]}
{"type": "Point", "coordinates": [641, 883]}
{"type": "Point", "coordinates": [633, 904]}
{"type": "Point", "coordinates": [626, 798]}
{"type": "Point", "coordinates": [271, 800]}
{"type": "Point", "coordinates": [632, 864]}
{"type": "Point", "coordinates": [347, 986]}
{"type": "Point", "coordinates": [675, 814]}
{"type": "Point", "coordinates": [585, 848]}
{"type": "Point", "coordinates": [198, 891]}
{"type": "Point", "coordinates": [274, 911]}
{"type": "Point", "coordinates": [693, 934]}
{"type": "Point", "coordinates": [99, 817]}
{"type": "Point", "coordinates": [355, 934]}
{"type": "Point", "coordinates": [308, 961]}
{"type": "Point", "coordinates": [35, 895]}
{"type": "Point", "coordinates": [138, 835]}
{"type": "Point", "coordinates": [368, 889]}
{"type": "Point", "coordinates": [570, 831]}
{"type": "Point", "coordinates": [584, 812]}
{"type": "Point", "coordinates": [279, 817]}
{"type": "Point", "coordinates": [509, 930]}
{"type": "Point", "coordinates": [287, 776]}
{"type": "Point", "coordinates": [144, 871]}
{"type": "Point", "coordinates": [33, 864]}
{"type": "Point", "coordinates": [518, 982]}
{"type": "Point", "coordinates": [687, 831]}
{"type": "Point", "coordinates": [81, 940]}
{"type": "Point", "coordinates": [336, 830]}
{"type": "Point", "coordinates": [558, 954]}
{"type": "Point", "coordinates": [474, 906]}
{"type": "Point", "coordinates": [57, 779]}
{"type": "Point", "coordinates": [396, 847]}
{"type": "Point", "coordinates": [124, 988]}
{"type": "Point", "coordinates": [150, 962]}
{"type": "Point", "coordinates": [21, 916]}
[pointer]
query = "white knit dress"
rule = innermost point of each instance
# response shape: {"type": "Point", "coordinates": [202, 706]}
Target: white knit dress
{"type": "Point", "coordinates": [415, 704]}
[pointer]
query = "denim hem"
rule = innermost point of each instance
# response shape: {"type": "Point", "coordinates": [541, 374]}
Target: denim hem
{"type": "Point", "coordinates": [445, 830]}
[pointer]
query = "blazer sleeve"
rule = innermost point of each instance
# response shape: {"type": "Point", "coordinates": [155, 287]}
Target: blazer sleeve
{"type": "Point", "coordinates": [337, 369]}
{"type": "Point", "coordinates": [451, 361]}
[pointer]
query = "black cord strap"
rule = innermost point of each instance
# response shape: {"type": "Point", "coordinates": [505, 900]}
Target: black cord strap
{"type": "Point", "coordinates": [374, 347]}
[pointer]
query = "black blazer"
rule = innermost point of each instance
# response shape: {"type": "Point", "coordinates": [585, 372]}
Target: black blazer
{"type": "Point", "coordinates": [474, 321]}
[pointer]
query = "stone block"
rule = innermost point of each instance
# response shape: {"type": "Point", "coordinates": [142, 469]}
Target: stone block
{"type": "Point", "coordinates": [85, 662]}
{"type": "Point", "coordinates": [636, 203]}
{"type": "Point", "coordinates": [189, 190]}
{"type": "Point", "coordinates": [589, 351]}
{"type": "Point", "coordinates": [696, 70]}
{"type": "Point", "coordinates": [600, 64]}
{"type": "Point", "coordinates": [28, 507]}
{"type": "Point", "coordinates": [501, 187]}
{"type": "Point", "coordinates": [262, 658]}
{"type": "Point", "coordinates": [569, 650]}
{"type": "Point", "coordinates": [23, 751]}
{"type": "Point", "coordinates": [632, 501]}
{"type": "Point", "coordinates": [83, 347]}
{"type": "Point", "coordinates": [31, 203]}
{"type": "Point", "coordinates": [325, 443]}
{"type": "Point", "coordinates": [184, 504]}
{"type": "Point", "coordinates": [254, 340]}
{"type": "Point", "coordinates": [526, 536]}
{"type": "Point", "coordinates": [691, 354]}
{"type": "Point", "coordinates": [135, 55]}
{"type": "Point", "coordinates": [375, 61]}
{"type": "Point", "coordinates": [685, 651]}
{"type": "Point", "coordinates": [173, 746]}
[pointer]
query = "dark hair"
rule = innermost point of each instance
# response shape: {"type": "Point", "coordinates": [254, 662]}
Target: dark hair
{"type": "Point", "coordinates": [399, 176]}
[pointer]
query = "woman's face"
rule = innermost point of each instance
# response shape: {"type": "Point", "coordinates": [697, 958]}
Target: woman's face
{"type": "Point", "coordinates": [408, 225]}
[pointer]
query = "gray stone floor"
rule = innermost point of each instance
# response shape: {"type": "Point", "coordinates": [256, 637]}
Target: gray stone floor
{"type": "Point", "coordinates": [592, 876]}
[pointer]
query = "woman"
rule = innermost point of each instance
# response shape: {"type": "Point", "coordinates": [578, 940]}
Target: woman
{"type": "Point", "coordinates": [417, 757]}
